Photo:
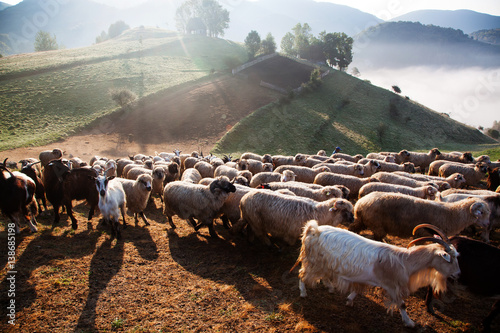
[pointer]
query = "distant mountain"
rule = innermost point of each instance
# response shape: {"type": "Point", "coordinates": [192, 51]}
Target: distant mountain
{"type": "Point", "coordinates": [466, 20]}
{"type": "Point", "coordinates": [487, 36]}
{"type": "Point", "coordinates": [280, 16]}
{"type": "Point", "coordinates": [3, 5]}
{"type": "Point", "coordinates": [77, 23]}
{"type": "Point", "coordinates": [403, 44]}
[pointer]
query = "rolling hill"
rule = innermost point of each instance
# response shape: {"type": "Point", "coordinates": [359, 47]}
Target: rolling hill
{"type": "Point", "coordinates": [350, 113]}
{"type": "Point", "coordinates": [466, 20]}
{"type": "Point", "coordinates": [403, 44]}
{"type": "Point", "coordinates": [185, 92]}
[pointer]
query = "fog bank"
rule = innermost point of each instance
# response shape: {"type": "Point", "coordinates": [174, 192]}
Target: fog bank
{"type": "Point", "coordinates": [468, 95]}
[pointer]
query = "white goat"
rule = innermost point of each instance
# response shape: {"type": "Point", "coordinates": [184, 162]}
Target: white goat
{"type": "Point", "coordinates": [111, 202]}
{"type": "Point", "coordinates": [349, 262]}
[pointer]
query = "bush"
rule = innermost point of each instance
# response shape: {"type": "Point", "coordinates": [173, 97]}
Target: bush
{"type": "Point", "coordinates": [231, 62]}
{"type": "Point", "coordinates": [381, 130]}
{"type": "Point", "coordinates": [393, 110]}
{"type": "Point", "coordinates": [122, 97]}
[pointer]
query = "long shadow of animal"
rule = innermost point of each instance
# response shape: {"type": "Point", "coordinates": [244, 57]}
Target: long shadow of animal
{"type": "Point", "coordinates": [42, 251]}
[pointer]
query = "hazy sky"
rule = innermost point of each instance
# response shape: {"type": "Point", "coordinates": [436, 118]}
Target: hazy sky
{"type": "Point", "coordinates": [384, 9]}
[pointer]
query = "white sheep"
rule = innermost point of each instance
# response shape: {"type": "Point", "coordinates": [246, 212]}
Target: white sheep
{"type": "Point", "coordinates": [48, 155]}
{"type": "Point", "coordinates": [397, 214]}
{"type": "Point", "coordinates": [424, 192]}
{"type": "Point", "coordinates": [282, 216]}
{"type": "Point", "coordinates": [137, 193]}
{"type": "Point", "coordinates": [401, 157]}
{"type": "Point", "coordinates": [302, 173]}
{"type": "Point", "coordinates": [318, 194]}
{"type": "Point", "coordinates": [473, 173]}
{"type": "Point", "coordinates": [455, 180]}
{"type": "Point", "coordinates": [192, 176]}
{"type": "Point", "coordinates": [392, 178]}
{"type": "Point", "coordinates": [268, 177]}
{"type": "Point", "coordinates": [352, 170]}
{"type": "Point", "coordinates": [349, 262]}
{"type": "Point", "coordinates": [194, 201]}
{"type": "Point", "coordinates": [392, 166]}
{"type": "Point", "coordinates": [423, 160]}
{"type": "Point", "coordinates": [111, 202]}
{"type": "Point", "coordinates": [351, 182]}
{"type": "Point", "coordinates": [493, 202]}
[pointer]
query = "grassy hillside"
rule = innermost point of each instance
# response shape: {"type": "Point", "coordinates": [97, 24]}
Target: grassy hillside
{"type": "Point", "coordinates": [352, 114]}
{"type": "Point", "coordinates": [48, 95]}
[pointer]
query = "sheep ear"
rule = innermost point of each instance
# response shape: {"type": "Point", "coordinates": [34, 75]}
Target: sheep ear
{"type": "Point", "coordinates": [476, 209]}
{"type": "Point", "coordinates": [445, 255]}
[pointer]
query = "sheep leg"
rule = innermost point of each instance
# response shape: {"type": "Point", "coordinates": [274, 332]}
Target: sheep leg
{"type": "Point", "coordinates": [69, 209]}
{"type": "Point", "coordinates": [91, 212]}
{"type": "Point", "coordinates": [428, 301]}
{"type": "Point", "coordinates": [225, 222]}
{"type": "Point", "coordinates": [350, 298]}
{"type": "Point", "coordinates": [144, 218]}
{"type": "Point", "coordinates": [211, 229]}
{"type": "Point", "coordinates": [193, 223]}
{"type": "Point", "coordinates": [122, 209]}
{"type": "Point", "coordinates": [406, 320]}
{"type": "Point", "coordinates": [56, 214]}
{"type": "Point", "coordinates": [302, 288]}
{"type": "Point", "coordinates": [16, 223]}
{"type": "Point", "coordinates": [171, 222]}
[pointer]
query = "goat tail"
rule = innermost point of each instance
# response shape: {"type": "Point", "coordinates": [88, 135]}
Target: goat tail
{"type": "Point", "coordinates": [309, 230]}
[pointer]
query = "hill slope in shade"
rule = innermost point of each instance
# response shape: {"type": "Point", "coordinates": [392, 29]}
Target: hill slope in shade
{"type": "Point", "coordinates": [350, 113]}
{"type": "Point", "coordinates": [466, 20]}
{"type": "Point", "coordinates": [403, 44]}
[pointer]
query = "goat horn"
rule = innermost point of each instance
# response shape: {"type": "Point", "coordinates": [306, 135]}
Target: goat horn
{"type": "Point", "coordinates": [5, 161]}
{"type": "Point", "coordinates": [31, 164]}
{"type": "Point", "coordinates": [433, 228]}
{"type": "Point", "coordinates": [431, 239]}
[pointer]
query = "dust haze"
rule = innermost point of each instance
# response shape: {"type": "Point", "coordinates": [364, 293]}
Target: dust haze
{"type": "Point", "coordinates": [469, 95]}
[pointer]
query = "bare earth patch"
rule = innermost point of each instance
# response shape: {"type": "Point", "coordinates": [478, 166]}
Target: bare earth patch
{"type": "Point", "coordinates": [157, 279]}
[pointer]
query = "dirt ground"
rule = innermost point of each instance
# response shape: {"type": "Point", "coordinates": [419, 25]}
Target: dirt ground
{"type": "Point", "coordinates": [159, 280]}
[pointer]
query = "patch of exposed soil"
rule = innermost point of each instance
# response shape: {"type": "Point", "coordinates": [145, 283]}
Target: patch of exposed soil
{"type": "Point", "coordinates": [159, 280]}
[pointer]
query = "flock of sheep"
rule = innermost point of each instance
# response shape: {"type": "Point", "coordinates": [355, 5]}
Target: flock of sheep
{"type": "Point", "coordinates": [282, 199]}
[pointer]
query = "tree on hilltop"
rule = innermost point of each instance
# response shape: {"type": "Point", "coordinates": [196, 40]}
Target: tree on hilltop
{"type": "Point", "coordinates": [208, 15]}
{"type": "Point", "coordinates": [252, 43]}
{"type": "Point", "coordinates": [117, 28]}
{"type": "Point", "coordinates": [268, 45]}
{"type": "Point", "coordinates": [45, 42]}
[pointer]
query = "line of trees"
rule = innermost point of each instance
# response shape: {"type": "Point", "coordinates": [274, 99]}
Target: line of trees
{"type": "Point", "coordinates": [255, 46]}
{"type": "Point", "coordinates": [334, 49]}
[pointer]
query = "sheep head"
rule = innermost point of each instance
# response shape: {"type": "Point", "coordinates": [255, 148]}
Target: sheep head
{"type": "Point", "coordinates": [221, 185]}
{"type": "Point", "coordinates": [480, 210]}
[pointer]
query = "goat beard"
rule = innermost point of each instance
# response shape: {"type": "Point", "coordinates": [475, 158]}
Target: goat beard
{"type": "Point", "coordinates": [428, 277]}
